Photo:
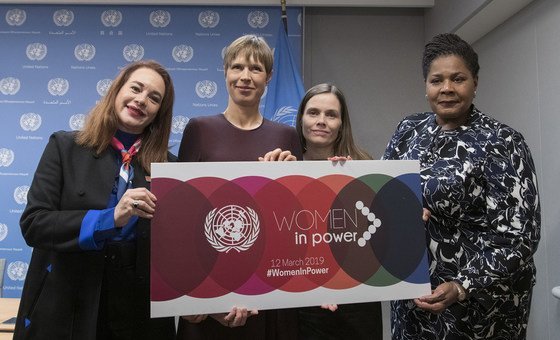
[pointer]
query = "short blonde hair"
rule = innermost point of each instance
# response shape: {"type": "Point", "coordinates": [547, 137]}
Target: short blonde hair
{"type": "Point", "coordinates": [250, 46]}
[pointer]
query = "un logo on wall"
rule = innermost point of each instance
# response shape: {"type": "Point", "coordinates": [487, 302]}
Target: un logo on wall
{"type": "Point", "coordinates": [77, 121]}
{"type": "Point", "coordinates": [36, 51]}
{"type": "Point", "coordinates": [20, 194]}
{"type": "Point", "coordinates": [285, 115]}
{"type": "Point", "coordinates": [17, 270]}
{"type": "Point", "coordinates": [84, 52]}
{"type": "Point", "coordinates": [103, 86]}
{"type": "Point", "coordinates": [30, 121]}
{"type": "Point", "coordinates": [209, 19]}
{"type": "Point", "coordinates": [258, 19]}
{"type": "Point", "coordinates": [178, 124]}
{"type": "Point", "coordinates": [160, 18]}
{"type": "Point", "coordinates": [206, 89]}
{"type": "Point", "coordinates": [58, 86]}
{"type": "Point", "coordinates": [133, 52]}
{"type": "Point", "coordinates": [15, 17]}
{"type": "Point", "coordinates": [3, 231]}
{"type": "Point", "coordinates": [231, 227]}
{"type": "Point", "coordinates": [9, 86]}
{"type": "Point", "coordinates": [182, 53]}
{"type": "Point", "coordinates": [6, 157]}
{"type": "Point", "coordinates": [63, 17]}
{"type": "Point", "coordinates": [111, 18]}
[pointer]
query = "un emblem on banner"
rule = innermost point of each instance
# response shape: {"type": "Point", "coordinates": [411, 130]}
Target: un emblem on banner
{"type": "Point", "coordinates": [6, 157]}
{"type": "Point", "coordinates": [231, 227]}
{"type": "Point", "coordinates": [178, 124]}
{"type": "Point", "coordinates": [30, 121]}
{"type": "Point", "coordinates": [63, 17]}
{"type": "Point", "coordinates": [20, 194]}
{"type": "Point", "coordinates": [77, 121]}
{"type": "Point", "coordinates": [84, 52]}
{"type": "Point", "coordinates": [103, 86]}
{"type": "Point", "coordinates": [133, 52]}
{"type": "Point", "coordinates": [15, 17]}
{"type": "Point", "coordinates": [36, 51]}
{"type": "Point", "coordinates": [258, 19]}
{"type": "Point", "coordinates": [209, 19]}
{"type": "Point", "coordinates": [9, 86]}
{"type": "Point", "coordinates": [182, 53]}
{"type": "Point", "coordinates": [160, 18]}
{"type": "Point", "coordinates": [3, 231]}
{"type": "Point", "coordinates": [58, 86]}
{"type": "Point", "coordinates": [206, 89]}
{"type": "Point", "coordinates": [111, 18]}
{"type": "Point", "coordinates": [17, 270]}
{"type": "Point", "coordinates": [285, 115]}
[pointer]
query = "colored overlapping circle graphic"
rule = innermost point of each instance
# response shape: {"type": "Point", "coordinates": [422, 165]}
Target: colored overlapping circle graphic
{"type": "Point", "coordinates": [216, 236]}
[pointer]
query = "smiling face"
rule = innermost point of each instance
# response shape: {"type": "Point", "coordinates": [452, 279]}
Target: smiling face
{"type": "Point", "coordinates": [450, 88]}
{"type": "Point", "coordinates": [321, 122]}
{"type": "Point", "coordinates": [139, 99]}
{"type": "Point", "coordinates": [246, 81]}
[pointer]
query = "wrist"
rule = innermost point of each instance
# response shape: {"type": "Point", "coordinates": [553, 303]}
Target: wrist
{"type": "Point", "coordinates": [461, 292]}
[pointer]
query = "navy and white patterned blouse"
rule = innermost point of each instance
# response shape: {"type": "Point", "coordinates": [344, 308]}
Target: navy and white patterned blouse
{"type": "Point", "coordinates": [479, 183]}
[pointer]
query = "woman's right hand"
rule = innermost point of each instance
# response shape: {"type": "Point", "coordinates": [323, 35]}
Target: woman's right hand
{"type": "Point", "coordinates": [235, 318]}
{"type": "Point", "coordinates": [138, 201]}
{"type": "Point", "coordinates": [278, 155]}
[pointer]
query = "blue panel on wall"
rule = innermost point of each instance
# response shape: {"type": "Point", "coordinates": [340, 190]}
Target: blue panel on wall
{"type": "Point", "coordinates": [57, 61]}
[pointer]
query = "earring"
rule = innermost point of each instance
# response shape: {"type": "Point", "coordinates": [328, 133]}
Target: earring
{"type": "Point", "coordinates": [426, 95]}
{"type": "Point", "coordinates": [474, 94]}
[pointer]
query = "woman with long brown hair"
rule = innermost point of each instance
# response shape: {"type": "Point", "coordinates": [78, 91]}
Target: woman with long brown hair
{"type": "Point", "coordinates": [88, 213]}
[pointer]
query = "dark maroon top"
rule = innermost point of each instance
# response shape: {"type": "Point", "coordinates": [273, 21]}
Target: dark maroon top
{"type": "Point", "coordinates": [215, 139]}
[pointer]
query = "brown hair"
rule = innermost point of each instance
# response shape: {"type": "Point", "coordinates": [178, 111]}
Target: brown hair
{"type": "Point", "coordinates": [344, 143]}
{"type": "Point", "coordinates": [250, 46]}
{"type": "Point", "coordinates": [102, 122]}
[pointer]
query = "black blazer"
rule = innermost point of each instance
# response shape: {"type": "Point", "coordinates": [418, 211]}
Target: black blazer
{"type": "Point", "coordinates": [61, 294]}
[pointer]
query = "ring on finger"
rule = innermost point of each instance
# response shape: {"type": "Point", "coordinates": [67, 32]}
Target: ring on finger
{"type": "Point", "coordinates": [135, 204]}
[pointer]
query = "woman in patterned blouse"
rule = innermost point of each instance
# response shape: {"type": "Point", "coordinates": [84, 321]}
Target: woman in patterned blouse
{"type": "Point", "coordinates": [479, 182]}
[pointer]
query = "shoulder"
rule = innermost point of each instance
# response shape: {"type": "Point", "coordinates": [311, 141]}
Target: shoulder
{"type": "Point", "coordinates": [495, 129]}
{"type": "Point", "coordinates": [415, 121]}
{"type": "Point", "coordinates": [65, 140]}
{"type": "Point", "coordinates": [275, 126]}
{"type": "Point", "coordinates": [64, 136]}
{"type": "Point", "coordinates": [208, 120]}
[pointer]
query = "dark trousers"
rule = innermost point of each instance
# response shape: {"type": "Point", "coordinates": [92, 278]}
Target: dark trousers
{"type": "Point", "coordinates": [124, 305]}
{"type": "Point", "coordinates": [352, 321]}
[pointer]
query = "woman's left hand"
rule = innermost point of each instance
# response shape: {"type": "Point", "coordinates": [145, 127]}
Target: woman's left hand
{"type": "Point", "coordinates": [278, 155]}
{"type": "Point", "coordinates": [442, 297]}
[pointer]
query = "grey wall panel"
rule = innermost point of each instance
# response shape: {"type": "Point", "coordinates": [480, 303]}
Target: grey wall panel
{"type": "Point", "coordinates": [374, 56]}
